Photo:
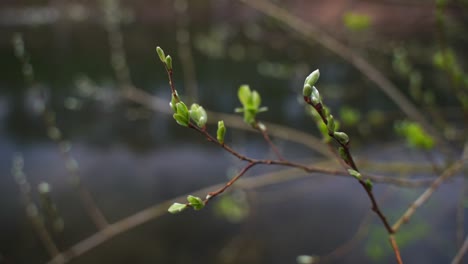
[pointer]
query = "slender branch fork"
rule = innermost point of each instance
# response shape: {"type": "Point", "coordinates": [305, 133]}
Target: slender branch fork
{"type": "Point", "coordinates": [348, 159]}
{"type": "Point", "coordinates": [252, 162]}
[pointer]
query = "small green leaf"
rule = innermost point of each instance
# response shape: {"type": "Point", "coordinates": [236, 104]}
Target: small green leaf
{"type": "Point", "coordinates": [195, 202]}
{"type": "Point", "coordinates": [355, 174]}
{"type": "Point", "coordinates": [255, 100]}
{"type": "Point", "coordinates": [249, 117]}
{"type": "Point", "coordinates": [341, 137]}
{"type": "Point", "coordinates": [181, 120]}
{"type": "Point", "coordinates": [176, 208]}
{"type": "Point", "coordinates": [244, 94]}
{"type": "Point", "coordinates": [312, 78]}
{"type": "Point", "coordinates": [161, 54]}
{"type": "Point", "coordinates": [182, 115]}
{"type": "Point", "coordinates": [221, 132]}
{"type": "Point", "coordinates": [169, 62]}
{"type": "Point", "coordinates": [182, 109]}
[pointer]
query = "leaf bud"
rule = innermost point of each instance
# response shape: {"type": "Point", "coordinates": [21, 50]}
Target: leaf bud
{"type": "Point", "coordinates": [161, 54]}
{"type": "Point", "coordinates": [221, 132]}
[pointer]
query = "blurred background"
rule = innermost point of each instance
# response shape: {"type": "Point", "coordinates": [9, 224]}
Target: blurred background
{"type": "Point", "coordinates": [90, 157]}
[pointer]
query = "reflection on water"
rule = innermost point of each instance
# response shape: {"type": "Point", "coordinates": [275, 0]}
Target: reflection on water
{"type": "Point", "coordinates": [131, 158]}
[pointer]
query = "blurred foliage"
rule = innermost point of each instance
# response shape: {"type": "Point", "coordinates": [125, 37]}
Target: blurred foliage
{"type": "Point", "coordinates": [414, 134]}
{"type": "Point", "coordinates": [356, 22]}
{"type": "Point", "coordinates": [349, 116]}
{"type": "Point", "coordinates": [233, 207]}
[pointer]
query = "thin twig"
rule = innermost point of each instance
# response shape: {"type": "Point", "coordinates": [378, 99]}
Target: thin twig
{"type": "Point", "coordinates": [311, 32]}
{"type": "Point", "coordinates": [395, 248]}
{"type": "Point", "coordinates": [263, 129]}
{"type": "Point", "coordinates": [31, 208]}
{"type": "Point", "coordinates": [48, 118]}
{"type": "Point", "coordinates": [459, 256]}
{"type": "Point", "coordinates": [234, 121]}
{"type": "Point", "coordinates": [160, 209]}
{"type": "Point", "coordinates": [450, 171]}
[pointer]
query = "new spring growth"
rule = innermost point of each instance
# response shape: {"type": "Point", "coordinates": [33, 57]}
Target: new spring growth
{"type": "Point", "coordinates": [221, 132]}
{"type": "Point", "coordinates": [251, 102]}
{"type": "Point", "coordinates": [312, 78]}
{"type": "Point", "coordinates": [355, 174]}
{"type": "Point", "coordinates": [341, 137]}
{"type": "Point", "coordinates": [198, 115]}
{"type": "Point", "coordinates": [309, 89]}
{"type": "Point", "coordinates": [182, 115]}
{"type": "Point", "coordinates": [169, 62]}
{"type": "Point", "coordinates": [343, 155]}
{"type": "Point", "coordinates": [331, 124]}
{"type": "Point", "coordinates": [173, 103]}
{"type": "Point", "coordinates": [161, 54]}
{"type": "Point", "coordinates": [176, 208]}
{"type": "Point", "coordinates": [195, 202]}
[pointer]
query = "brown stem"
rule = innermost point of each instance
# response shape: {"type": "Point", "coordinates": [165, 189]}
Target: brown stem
{"type": "Point", "coordinates": [262, 128]}
{"type": "Point", "coordinates": [395, 249]}
{"type": "Point", "coordinates": [229, 183]}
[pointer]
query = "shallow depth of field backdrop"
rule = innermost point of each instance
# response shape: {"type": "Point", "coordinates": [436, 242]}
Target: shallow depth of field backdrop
{"type": "Point", "coordinates": [70, 124]}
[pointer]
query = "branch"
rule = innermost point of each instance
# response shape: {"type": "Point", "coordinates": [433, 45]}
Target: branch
{"type": "Point", "coordinates": [310, 32]}
{"type": "Point", "coordinates": [459, 256]}
{"type": "Point", "coordinates": [160, 209]}
{"type": "Point", "coordinates": [450, 171]}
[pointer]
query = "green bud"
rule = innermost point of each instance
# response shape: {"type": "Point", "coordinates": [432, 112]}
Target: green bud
{"type": "Point", "coordinates": [244, 94]}
{"type": "Point", "coordinates": [315, 92]}
{"type": "Point", "coordinates": [342, 153]}
{"type": "Point", "coordinates": [221, 132]}
{"type": "Point", "coordinates": [173, 103]}
{"type": "Point", "coordinates": [369, 184]}
{"type": "Point", "coordinates": [331, 124]}
{"type": "Point", "coordinates": [195, 202]}
{"type": "Point", "coordinates": [315, 100]}
{"type": "Point", "coordinates": [169, 62]}
{"type": "Point", "coordinates": [161, 54]}
{"type": "Point", "coordinates": [198, 114]}
{"type": "Point", "coordinates": [176, 208]}
{"type": "Point", "coordinates": [182, 115]}
{"type": "Point", "coordinates": [312, 78]}
{"type": "Point", "coordinates": [182, 109]}
{"type": "Point", "coordinates": [341, 137]}
{"type": "Point", "coordinates": [355, 174]}
{"type": "Point", "coordinates": [307, 91]}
